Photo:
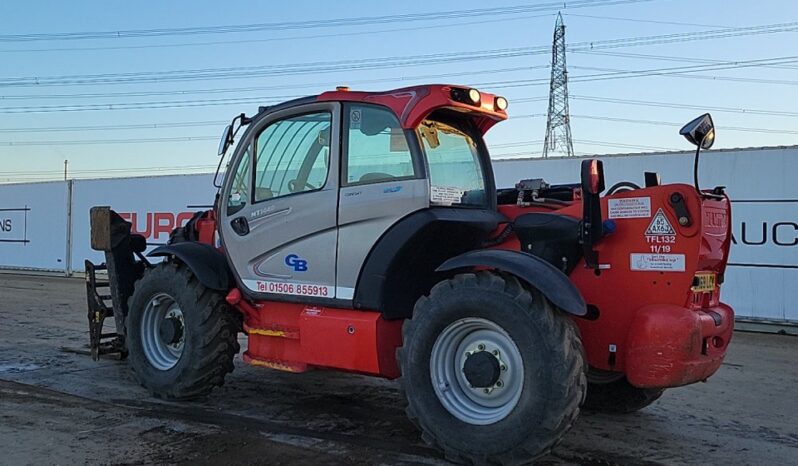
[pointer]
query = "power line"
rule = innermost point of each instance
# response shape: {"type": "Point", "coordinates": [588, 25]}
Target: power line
{"type": "Point", "coordinates": [648, 21]}
{"type": "Point", "coordinates": [52, 129]}
{"type": "Point", "coordinates": [673, 71]}
{"type": "Point", "coordinates": [493, 85]}
{"type": "Point", "coordinates": [679, 74]}
{"type": "Point", "coordinates": [625, 145]}
{"type": "Point", "coordinates": [204, 138]}
{"type": "Point", "coordinates": [111, 170]}
{"type": "Point", "coordinates": [649, 103]}
{"type": "Point", "coordinates": [294, 69]}
{"type": "Point", "coordinates": [110, 141]}
{"type": "Point", "coordinates": [678, 125]}
{"type": "Point", "coordinates": [167, 125]}
{"type": "Point", "coordinates": [275, 39]}
{"type": "Point", "coordinates": [647, 56]}
{"type": "Point", "coordinates": [145, 105]}
{"type": "Point", "coordinates": [308, 24]}
{"type": "Point", "coordinates": [619, 74]}
{"type": "Point", "coordinates": [94, 95]}
{"type": "Point", "coordinates": [380, 62]}
{"type": "Point", "coordinates": [723, 33]}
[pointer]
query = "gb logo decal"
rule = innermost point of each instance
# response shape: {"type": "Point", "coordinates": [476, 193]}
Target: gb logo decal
{"type": "Point", "coordinates": [295, 262]}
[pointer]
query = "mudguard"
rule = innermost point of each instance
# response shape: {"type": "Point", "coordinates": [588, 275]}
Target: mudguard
{"type": "Point", "coordinates": [208, 264]}
{"type": "Point", "coordinates": [546, 278]}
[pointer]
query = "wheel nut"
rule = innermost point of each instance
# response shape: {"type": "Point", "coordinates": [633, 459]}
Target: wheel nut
{"type": "Point", "coordinates": [486, 390]}
{"type": "Point", "coordinates": [499, 383]}
{"type": "Point", "coordinates": [495, 352]}
{"type": "Point", "coordinates": [480, 347]}
{"type": "Point", "coordinates": [503, 367]}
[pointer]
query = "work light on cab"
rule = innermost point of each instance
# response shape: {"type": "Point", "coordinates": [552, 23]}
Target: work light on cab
{"type": "Point", "coordinates": [473, 94]}
{"type": "Point", "coordinates": [500, 103]}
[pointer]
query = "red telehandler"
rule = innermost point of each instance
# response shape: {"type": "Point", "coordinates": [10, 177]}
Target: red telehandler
{"type": "Point", "coordinates": [363, 232]}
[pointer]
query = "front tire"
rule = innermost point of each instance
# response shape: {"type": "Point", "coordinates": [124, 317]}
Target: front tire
{"type": "Point", "coordinates": [492, 373]}
{"type": "Point", "coordinates": [182, 336]}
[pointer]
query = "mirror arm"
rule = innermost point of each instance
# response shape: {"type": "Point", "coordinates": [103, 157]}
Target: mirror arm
{"type": "Point", "coordinates": [216, 183]}
{"type": "Point", "coordinates": [695, 178]}
{"type": "Point", "coordinates": [695, 169]}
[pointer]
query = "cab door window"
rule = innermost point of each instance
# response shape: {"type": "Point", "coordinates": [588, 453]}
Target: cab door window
{"type": "Point", "coordinates": [293, 156]}
{"type": "Point", "coordinates": [376, 148]}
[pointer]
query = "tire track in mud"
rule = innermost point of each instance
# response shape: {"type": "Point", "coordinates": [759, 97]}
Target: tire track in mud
{"type": "Point", "coordinates": [229, 422]}
{"type": "Point", "coordinates": [244, 426]}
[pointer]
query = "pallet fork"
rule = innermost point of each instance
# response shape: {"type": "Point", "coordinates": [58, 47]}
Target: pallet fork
{"type": "Point", "coordinates": [124, 263]}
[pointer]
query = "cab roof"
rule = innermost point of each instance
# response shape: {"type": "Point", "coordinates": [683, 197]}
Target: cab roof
{"type": "Point", "coordinates": [412, 104]}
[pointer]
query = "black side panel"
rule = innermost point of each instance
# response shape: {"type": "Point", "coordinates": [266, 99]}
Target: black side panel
{"type": "Point", "coordinates": [208, 264]}
{"type": "Point", "coordinates": [554, 284]}
{"type": "Point", "coordinates": [402, 264]}
{"type": "Point", "coordinates": [552, 237]}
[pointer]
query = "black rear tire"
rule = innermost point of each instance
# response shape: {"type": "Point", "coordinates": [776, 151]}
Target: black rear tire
{"type": "Point", "coordinates": [210, 331]}
{"type": "Point", "coordinates": [619, 396]}
{"type": "Point", "coordinates": [554, 382]}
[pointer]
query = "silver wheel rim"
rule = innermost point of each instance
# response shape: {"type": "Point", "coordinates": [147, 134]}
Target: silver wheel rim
{"type": "Point", "coordinates": [476, 405]}
{"type": "Point", "coordinates": [161, 355]}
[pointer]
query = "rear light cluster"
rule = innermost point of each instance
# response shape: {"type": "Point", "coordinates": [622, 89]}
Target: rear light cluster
{"type": "Point", "coordinates": [471, 96]}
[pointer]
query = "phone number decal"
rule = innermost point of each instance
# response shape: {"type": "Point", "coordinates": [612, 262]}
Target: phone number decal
{"type": "Point", "coordinates": [297, 289]}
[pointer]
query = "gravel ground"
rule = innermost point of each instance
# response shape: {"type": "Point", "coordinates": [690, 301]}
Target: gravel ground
{"type": "Point", "coordinates": [59, 407]}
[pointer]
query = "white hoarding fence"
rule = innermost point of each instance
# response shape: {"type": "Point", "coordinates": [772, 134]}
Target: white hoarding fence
{"type": "Point", "coordinates": [153, 205]}
{"type": "Point", "coordinates": [33, 223]}
{"type": "Point", "coordinates": [45, 226]}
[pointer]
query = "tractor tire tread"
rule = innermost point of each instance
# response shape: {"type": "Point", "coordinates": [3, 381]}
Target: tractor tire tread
{"type": "Point", "coordinates": [217, 330]}
{"type": "Point", "coordinates": [573, 387]}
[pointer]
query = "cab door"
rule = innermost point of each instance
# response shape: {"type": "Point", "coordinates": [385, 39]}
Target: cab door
{"type": "Point", "coordinates": [278, 212]}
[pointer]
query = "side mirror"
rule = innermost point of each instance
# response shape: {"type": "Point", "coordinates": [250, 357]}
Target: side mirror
{"type": "Point", "coordinates": [227, 139]}
{"type": "Point", "coordinates": [700, 132]}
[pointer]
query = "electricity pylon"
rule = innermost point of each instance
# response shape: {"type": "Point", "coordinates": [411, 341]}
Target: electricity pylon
{"type": "Point", "coordinates": [558, 124]}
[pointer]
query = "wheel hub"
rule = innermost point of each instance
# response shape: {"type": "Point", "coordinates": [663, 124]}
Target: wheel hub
{"type": "Point", "coordinates": [482, 369]}
{"type": "Point", "coordinates": [162, 331]}
{"type": "Point", "coordinates": [477, 371]}
{"type": "Point", "coordinates": [170, 330]}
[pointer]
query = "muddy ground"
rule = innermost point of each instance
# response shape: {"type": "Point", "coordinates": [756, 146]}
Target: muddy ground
{"type": "Point", "coordinates": [59, 407]}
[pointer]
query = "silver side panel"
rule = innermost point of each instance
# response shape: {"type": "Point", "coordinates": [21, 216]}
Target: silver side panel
{"type": "Point", "coordinates": [365, 213]}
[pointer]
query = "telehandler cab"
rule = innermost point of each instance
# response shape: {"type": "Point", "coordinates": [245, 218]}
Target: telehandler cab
{"type": "Point", "coordinates": [363, 232]}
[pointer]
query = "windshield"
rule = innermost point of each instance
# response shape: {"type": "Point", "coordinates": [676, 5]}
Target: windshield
{"type": "Point", "coordinates": [455, 172]}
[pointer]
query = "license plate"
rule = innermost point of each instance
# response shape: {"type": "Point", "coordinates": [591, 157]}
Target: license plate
{"type": "Point", "coordinates": [703, 282]}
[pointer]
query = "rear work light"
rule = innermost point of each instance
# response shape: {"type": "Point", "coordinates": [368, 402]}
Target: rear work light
{"type": "Point", "coordinates": [466, 96]}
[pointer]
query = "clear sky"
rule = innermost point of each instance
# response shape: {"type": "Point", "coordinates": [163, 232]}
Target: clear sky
{"type": "Point", "coordinates": [49, 112]}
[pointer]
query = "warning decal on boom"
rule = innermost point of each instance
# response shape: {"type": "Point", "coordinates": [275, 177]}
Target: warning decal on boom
{"type": "Point", "coordinates": [660, 225]}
